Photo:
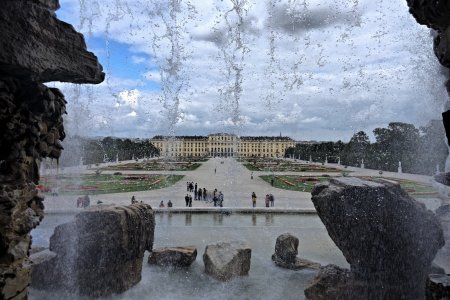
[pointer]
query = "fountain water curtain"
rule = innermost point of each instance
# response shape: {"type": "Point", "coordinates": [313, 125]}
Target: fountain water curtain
{"type": "Point", "coordinates": [280, 50]}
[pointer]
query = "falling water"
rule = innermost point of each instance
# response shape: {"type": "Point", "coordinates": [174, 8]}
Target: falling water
{"type": "Point", "coordinates": [288, 70]}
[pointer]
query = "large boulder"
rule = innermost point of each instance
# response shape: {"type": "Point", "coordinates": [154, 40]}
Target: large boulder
{"type": "Point", "coordinates": [173, 256]}
{"type": "Point", "coordinates": [286, 250]}
{"type": "Point", "coordinates": [388, 238]}
{"type": "Point", "coordinates": [226, 260]}
{"type": "Point", "coordinates": [101, 251]}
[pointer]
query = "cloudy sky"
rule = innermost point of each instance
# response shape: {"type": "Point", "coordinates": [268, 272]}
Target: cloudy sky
{"type": "Point", "coordinates": [310, 69]}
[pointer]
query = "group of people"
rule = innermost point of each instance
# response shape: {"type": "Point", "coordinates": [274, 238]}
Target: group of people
{"type": "Point", "coordinates": [202, 194]}
{"type": "Point", "coordinates": [269, 200]}
{"type": "Point", "coordinates": [217, 198]}
{"type": "Point", "coordinates": [161, 204]}
{"type": "Point", "coordinates": [199, 193]}
{"type": "Point", "coordinates": [169, 204]}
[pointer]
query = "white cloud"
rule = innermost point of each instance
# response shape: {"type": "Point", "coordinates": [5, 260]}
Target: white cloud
{"type": "Point", "coordinates": [138, 59]}
{"type": "Point", "coordinates": [338, 67]}
{"type": "Point", "coordinates": [129, 98]}
{"type": "Point", "coordinates": [132, 114]}
{"type": "Point", "coordinates": [311, 120]}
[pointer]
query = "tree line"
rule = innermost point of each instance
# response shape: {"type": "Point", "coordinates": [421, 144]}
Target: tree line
{"type": "Point", "coordinates": [419, 150]}
{"type": "Point", "coordinates": [98, 150]}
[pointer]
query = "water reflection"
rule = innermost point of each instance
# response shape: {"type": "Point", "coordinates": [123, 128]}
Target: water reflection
{"type": "Point", "coordinates": [254, 219]}
{"type": "Point", "coordinates": [169, 218]}
{"type": "Point", "coordinates": [188, 219]}
{"type": "Point", "coordinates": [269, 219]}
{"type": "Point", "coordinates": [218, 219]}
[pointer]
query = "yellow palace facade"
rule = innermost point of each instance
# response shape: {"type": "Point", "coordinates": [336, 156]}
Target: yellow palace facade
{"type": "Point", "coordinates": [222, 145]}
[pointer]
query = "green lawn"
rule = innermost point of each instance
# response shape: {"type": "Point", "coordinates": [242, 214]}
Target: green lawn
{"type": "Point", "coordinates": [289, 167]}
{"type": "Point", "coordinates": [293, 182]}
{"type": "Point", "coordinates": [306, 184]}
{"type": "Point", "coordinates": [155, 165]}
{"type": "Point", "coordinates": [105, 184]}
{"type": "Point", "coordinates": [413, 188]}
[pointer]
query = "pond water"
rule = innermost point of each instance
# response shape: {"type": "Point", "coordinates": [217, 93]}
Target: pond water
{"type": "Point", "coordinates": [265, 280]}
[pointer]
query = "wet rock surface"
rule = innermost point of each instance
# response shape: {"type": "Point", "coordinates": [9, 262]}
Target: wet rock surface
{"type": "Point", "coordinates": [36, 46]}
{"type": "Point", "coordinates": [286, 250]}
{"type": "Point", "coordinates": [101, 251]}
{"type": "Point", "coordinates": [388, 238]}
{"type": "Point", "coordinates": [173, 256]}
{"type": "Point", "coordinates": [435, 14]}
{"type": "Point", "coordinates": [31, 122]}
{"type": "Point", "coordinates": [226, 260]}
{"type": "Point", "coordinates": [21, 210]}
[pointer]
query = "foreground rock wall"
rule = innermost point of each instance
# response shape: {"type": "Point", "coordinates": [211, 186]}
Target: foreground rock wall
{"type": "Point", "coordinates": [100, 252]}
{"type": "Point", "coordinates": [35, 47]}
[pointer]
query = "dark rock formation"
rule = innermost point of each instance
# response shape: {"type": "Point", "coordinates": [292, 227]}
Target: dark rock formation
{"type": "Point", "coordinates": [286, 248]}
{"type": "Point", "coordinates": [438, 287]}
{"type": "Point", "coordinates": [31, 122]}
{"type": "Point", "coordinates": [42, 263]}
{"type": "Point", "coordinates": [226, 260]}
{"type": "Point", "coordinates": [35, 47]}
{"type": "Point", "coordinates": [100, 252]}
{"type": "Point", "coordinates": [285, 256]}
{"type": "Point", "coordinates": [388, 238]}
{"type": "Point", "coordinates": [173, 256]}
{"type": "Point", "coordinates": [436, 15]}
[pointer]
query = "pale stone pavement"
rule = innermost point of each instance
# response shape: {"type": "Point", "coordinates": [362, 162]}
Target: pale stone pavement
{"type": "Point", "coordinates": [232, 178]}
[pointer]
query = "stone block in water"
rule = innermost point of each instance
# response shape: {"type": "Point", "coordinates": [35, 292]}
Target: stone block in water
{"type": "Point", "coordinates": [286, 250]}
{"type": "Point", "coordinates": [101, 251]}
{"type": "Point", "coordinates": [226, 260]}
{"type": "Point", "coordinates": [388, 238]}
{"type": "Point", "coordinates": [173, 256]}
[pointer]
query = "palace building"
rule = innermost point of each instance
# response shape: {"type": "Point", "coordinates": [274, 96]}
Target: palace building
{"type": "Point", "coordinates": [222, 145]}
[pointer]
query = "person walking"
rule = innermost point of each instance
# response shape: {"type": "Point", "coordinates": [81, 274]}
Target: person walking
{"type": "Point", "coordinates": [204, 194]}
{"type": "Point", "coordinates": [254, 199]}
{"type": "Point", "coordinates": [190, 201]}
{"type": "Point", "coordinates": [199, 194]}
{"type": "Point", "coordinates": [220, 199]}
{"type": "Point", "coordinates": [267, 200]}
{"type": "Point", "coordinates": [133, 200]}
{"type": "Point", "coordinates": [272, 200]}
{"type": "Point", "coordinates": [186, 199]}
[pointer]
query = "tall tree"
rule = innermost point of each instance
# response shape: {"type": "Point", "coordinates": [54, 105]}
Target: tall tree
{"type": "Point", "coordinates": [356, 150]}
